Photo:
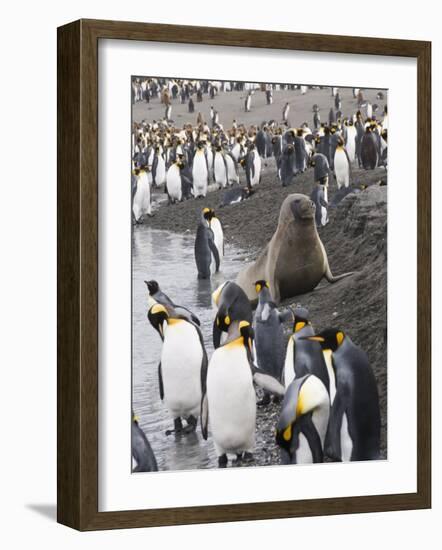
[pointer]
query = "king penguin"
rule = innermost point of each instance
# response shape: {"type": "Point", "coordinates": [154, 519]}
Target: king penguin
{"type": "Point", "coordinates": [341, 165]}
{"type": "Point", "coordinates": [285, 112]}
{"type": "Point", "coordinates": [142, 452]}
{"type": "Point", "coordinates": [355, 420]}
{"type": "Point", "coordinates": [206, 253]}
{"type": "Point", "coordinates": [215, 225]}
{"type": "Point", "coordinates": [270, 341]}
{"type": "Point", "coordinates": [157, 296]}
{"type": "Point", "coordinates": [200, 171]}
{"type": "Point", "coordinates": [229, 402]}
{"type": "Point", "coordinates": [174, 185]}
{"type": "Point", "coordinates": [302, 425]}
{"type": "Point", "coordinates": [304, 357]}
{"type": "Point", "coordinates": [182, 366]}
{"type": "Point", "coordinates": [141, 204]}
{"type": "Point", "coordinates": [220, 170]}
{"type": "Point", "coordinates": [231, 304]}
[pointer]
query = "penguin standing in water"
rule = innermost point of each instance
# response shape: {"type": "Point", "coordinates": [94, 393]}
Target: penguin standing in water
{"type": "Point", "coordinates": [206, 253]}
{"type": "Point", "coordinates": [355, 420]}
{"type": "Point", "coordinates": [182, 367]}
{"type": "Point", "coordinates": [141, 203]}
{"type": "Point", "coordinates": [285, 112]}
{"type": "Point", "coordinates": [217, 228]}
{"type": "Point", "coordinates": [191, 106]}
{"type": "Point", "coordinates": [304, 357]}
{"type": "Point", "coordinates": [229, 402]}
{"type": "Point", "coordinates": [331, 116]}
{"type": "Point", "coordinates": [157, 296]}
{"type": "Point", "coordinates": [248, 103]}
{"type": "Point", "coordinates": [231, 304]}
{"type": "Point", "coordinates": [269, 97]}
{"type": "Point", "coordinates": [220, 169]}
{"type": "Point", "coordinates": [342, 165]}
{"type": "Point", "coordinates": [141, 450]}
{"type": "Point", "coordinates": [302, 425]}
{"type": "Point", "coordinates": [174, 185]}
{"type": "Point", "coordinates": [269, 335]}
{"type": "Point", "coordinates": [200, 171]}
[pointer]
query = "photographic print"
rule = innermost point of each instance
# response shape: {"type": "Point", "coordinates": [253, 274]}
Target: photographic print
{"type": "Point", "coordinates": [259, 273]}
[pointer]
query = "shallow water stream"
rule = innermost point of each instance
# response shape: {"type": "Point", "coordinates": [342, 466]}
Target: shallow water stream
{"type": "Point", "coordinates": [169, 259]}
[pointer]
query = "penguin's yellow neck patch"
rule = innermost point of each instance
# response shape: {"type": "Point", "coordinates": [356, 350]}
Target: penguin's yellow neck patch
{"type": "Point", "coordinates": [174, 321]}
{"type": "Point", "coordinates": [339, 338]}
{"type": "Point", "coordinates": [287, 433]}
{"type": "Point", "coordinates": [299, 325]}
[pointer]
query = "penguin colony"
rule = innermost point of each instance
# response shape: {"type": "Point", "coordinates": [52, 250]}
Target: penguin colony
{"type": "Point", "coordinates": [323, 381]}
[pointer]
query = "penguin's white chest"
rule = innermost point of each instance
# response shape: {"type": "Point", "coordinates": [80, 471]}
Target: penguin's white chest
{"type": "Point", "coordinates": [220, 170]}
{"type": "Point", "coordinates": [351, 143]}
{"type": "Point", "coordinates": [231, 400]}
{"type": "Point", "coordinates": [199, 173]}
{"type": "Point", "coordinates": [257, 165]}
{"type": "Point", "coordinates": [181, 359]}
{"type": "Point", "coordinates": [289, 369]}
{"type": "Point", "coordinates": [160, 176]}
{"type": "Point", "coordinates": [346, 441]}
{"type": "Point", "coordinates": [232, 176]}
{"type": "Point", "coordinates": [331, 374]}
{"type": "Point", "coordinates": [236, 151]}
{"type": "Point", "coordinates": [174, 182]}
{"type": "Point", "coordinates": [141, 202]}
{"type": "Point", "coordinates": [341, 168]}
{"type": "Point", "coordinates": [218, 234]}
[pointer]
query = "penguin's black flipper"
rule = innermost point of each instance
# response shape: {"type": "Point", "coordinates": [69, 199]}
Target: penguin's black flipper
{"type": "Point", "coordinates": [142, 451]}
{"type": "Point", "coordinates": [216, 335]}
{"type": "Point", "coordinates": [154, 169]}
{"type": "Point", "coordinates": [333, 437]}
{"type": "Point", "coordinates": [160, 381]}
{"type": "Point", "coordinates": [312, 436]}
{"type": "Point", "coordinates": [204, 416]}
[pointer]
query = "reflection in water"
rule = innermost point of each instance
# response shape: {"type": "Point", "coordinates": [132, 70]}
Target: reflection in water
{"type": "Point", "coordinates": [168, 258]}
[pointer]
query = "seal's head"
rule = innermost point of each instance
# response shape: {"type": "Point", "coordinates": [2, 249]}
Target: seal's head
{"type": "Point", "coordinates": [302, 207]}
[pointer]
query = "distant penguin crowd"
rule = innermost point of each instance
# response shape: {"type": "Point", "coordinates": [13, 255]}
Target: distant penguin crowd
{"type": "Point", "coordinates": [188, 161]}
{"type": "Point", "coordinates": [321, 379]}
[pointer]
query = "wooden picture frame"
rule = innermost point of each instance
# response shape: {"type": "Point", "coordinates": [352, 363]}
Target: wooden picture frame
{"type": "Point", "coordinates": [77, 226]}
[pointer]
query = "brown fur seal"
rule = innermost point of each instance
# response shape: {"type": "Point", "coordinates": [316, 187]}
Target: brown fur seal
{"type": "Point", "coordinates": [294, 261]}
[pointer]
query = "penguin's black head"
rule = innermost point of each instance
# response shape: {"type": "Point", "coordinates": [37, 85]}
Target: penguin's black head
{"type": "Point", "coordinates": [247, 334]}
{"type": "Point", "coordinates": [153, 287]}
{"type": "Point", "coordinates": [259, 285]}
{"type": "Point", "coordinates": [301, 317]}
{"type": "Point", "coordinates": [157, 316]}
{"type": "Point", "coordinates": [208, 213]}
{"type": "Point", "coordinates": [329, 338]}
{"type": "Point", "coordinates": [223, 319]}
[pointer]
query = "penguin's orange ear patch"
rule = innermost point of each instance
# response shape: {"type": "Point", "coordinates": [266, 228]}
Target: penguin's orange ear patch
{"type": "Point", "coordinates": [339, 337]}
